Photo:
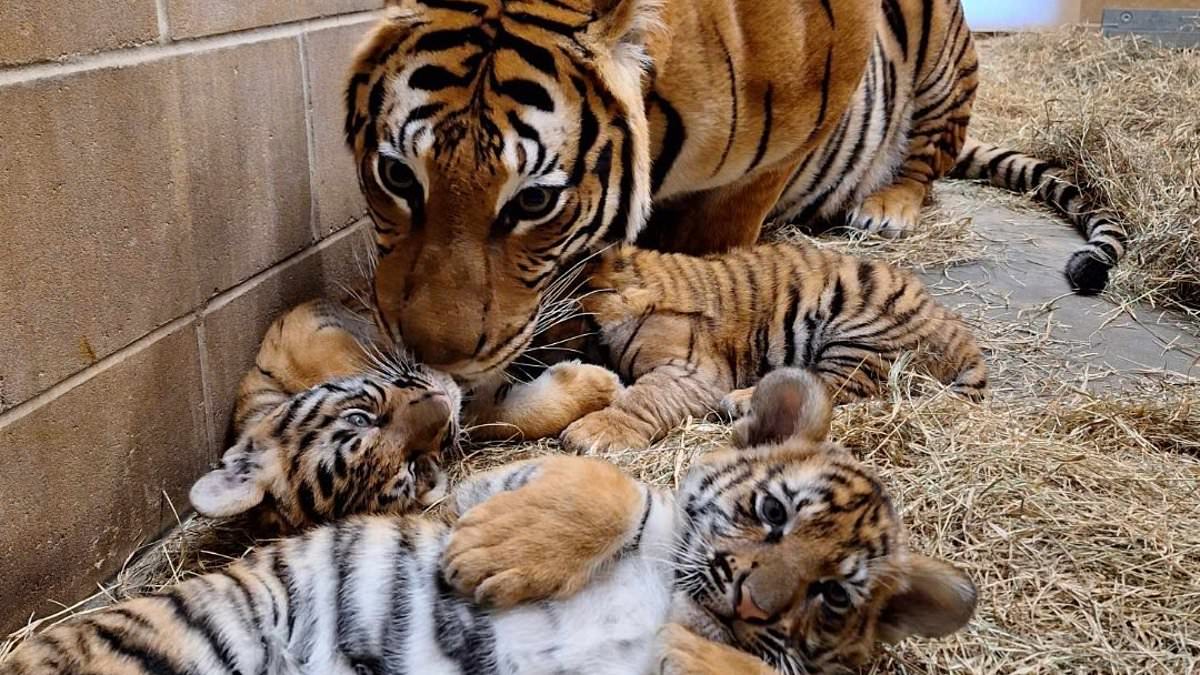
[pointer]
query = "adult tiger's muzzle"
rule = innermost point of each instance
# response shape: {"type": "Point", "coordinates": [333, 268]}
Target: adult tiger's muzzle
{"type": "Point", "coordinates": [451, 313]}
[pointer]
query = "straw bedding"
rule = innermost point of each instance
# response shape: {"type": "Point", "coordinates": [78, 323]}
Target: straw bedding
{"type": "Point", "coordinates": [1077, 514]}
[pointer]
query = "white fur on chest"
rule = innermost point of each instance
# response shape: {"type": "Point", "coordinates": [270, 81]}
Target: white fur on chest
{"type": "Point", "coordinates": [610, 627]}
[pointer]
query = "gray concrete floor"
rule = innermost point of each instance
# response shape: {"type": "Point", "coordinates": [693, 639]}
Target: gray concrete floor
{"type": "Point", "coordinates": [1099, 344]}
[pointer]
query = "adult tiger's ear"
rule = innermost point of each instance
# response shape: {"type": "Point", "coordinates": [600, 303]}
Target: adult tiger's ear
{"type": "Point", "coordinates": [236, 486]}
{"type": "Point", "coordinates": [788, 403]}
{"type": "Point", "coordinates": [940, 599]}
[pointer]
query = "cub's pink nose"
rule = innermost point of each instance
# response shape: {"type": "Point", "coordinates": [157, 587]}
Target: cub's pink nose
{"type": "Point", "coordinates": [747, 609]}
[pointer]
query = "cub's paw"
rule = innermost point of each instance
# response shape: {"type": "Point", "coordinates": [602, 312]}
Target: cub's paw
{"type": "Point", "coordinates": [682, 652]}
{"type": "Point", "coordinates": [584, 388]}
{"type": "Point", "coordinates": [891, 212]}
{"type": "Point", "coordinates": [545, 539]}
{"type": "Point", "coordinates": [736, 403]}
{"type": "Point", "coordinates": [608, 430]}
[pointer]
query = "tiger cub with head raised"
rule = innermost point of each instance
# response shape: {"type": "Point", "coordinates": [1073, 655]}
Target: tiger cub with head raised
{"type": "Point", "coordinates": [692, 334]}
{"type": "Point", "coordinates": [786, 556]}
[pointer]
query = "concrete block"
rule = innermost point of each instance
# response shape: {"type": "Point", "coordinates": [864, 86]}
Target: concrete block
{"type": "Point", "coordinates": [132, 194]}
{"type": "Point", "coordinates": [328, 54]}
{"type": "Point", "coordinates": [88, 471]}
{"type": "Point", "coordinates": [192, 18]}
{"type": "Point", "coordinates": [40, 30]}
{"type": "Point", "coordinates": [243, 136]}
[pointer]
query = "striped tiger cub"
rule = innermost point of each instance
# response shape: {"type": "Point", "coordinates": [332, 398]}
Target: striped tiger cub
{"type": "Point", "coordinates": [499, 141]}
{"type": "Point", "coordinates": [583, 569]}
{"type": "Point", "coordinates": [323, 431]}
{"type": "Point", "coordinates": [328, 424]}
{"type": "Point", "coordinates": [694, 333]}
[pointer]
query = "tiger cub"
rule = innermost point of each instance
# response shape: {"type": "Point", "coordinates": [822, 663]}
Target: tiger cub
{"type": "Point", "coordinates": [627, 577]}
{"type": "Point", "coordinates": [323, 432]}
{"type": "Point", "coordinates": [695, 333]}
{"type": "Point", "coordinates": [330, 425]}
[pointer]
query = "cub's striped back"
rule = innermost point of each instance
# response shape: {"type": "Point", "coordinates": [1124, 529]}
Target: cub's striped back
{"type": "Point", "coordinates": [845, 318]}
{"type": "Point", "coordinates": [687, 331]}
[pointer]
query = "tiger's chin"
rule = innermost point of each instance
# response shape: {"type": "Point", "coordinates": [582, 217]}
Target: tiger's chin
{"type": "Point", "coordinates": [471, 374]}
{"type": "Point", "coordinates": [430, 481]}
{"type": "Point", "coordinates": [695, 615]}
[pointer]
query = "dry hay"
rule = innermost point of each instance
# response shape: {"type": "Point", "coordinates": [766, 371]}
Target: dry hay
{"type": "Point", "coordinates": [1121, 114]}
{"type": "Point", "coordinates": [1078, 515]}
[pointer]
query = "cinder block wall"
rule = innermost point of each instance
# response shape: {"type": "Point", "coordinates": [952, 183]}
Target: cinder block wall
{"type": "Point", "coordinates": [172, 175]}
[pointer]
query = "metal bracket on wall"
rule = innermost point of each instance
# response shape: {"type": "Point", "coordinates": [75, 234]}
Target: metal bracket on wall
{"type": "Point", "coordinates": [1168, 27]}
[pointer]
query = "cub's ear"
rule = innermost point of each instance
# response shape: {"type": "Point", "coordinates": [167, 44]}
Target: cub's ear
{"type": "Point", "coordinates": [940, 600]}
{"type": "Point", "coordinates": [237, 486]}
{"type": "Point", "coordinates": [788, 403]}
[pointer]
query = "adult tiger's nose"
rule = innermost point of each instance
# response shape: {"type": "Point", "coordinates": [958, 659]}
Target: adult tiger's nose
{"type": "Point", "coordinates": [438, 337]}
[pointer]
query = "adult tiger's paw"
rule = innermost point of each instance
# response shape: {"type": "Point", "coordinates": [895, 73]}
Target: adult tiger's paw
{"type": "Point", "coordinates": [608, 430]}
{"type": "Point", "coordinates": [682, 652]}
{"type": "Point", "coordinates": [545, 539]}
{"type": "Point", "coordinates": [891, 212]}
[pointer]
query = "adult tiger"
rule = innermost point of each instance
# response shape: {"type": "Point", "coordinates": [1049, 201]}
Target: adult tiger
{"type": "Point", "coordinates": [497, 141]}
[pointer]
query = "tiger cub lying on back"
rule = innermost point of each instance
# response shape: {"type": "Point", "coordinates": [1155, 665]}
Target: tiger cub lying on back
{"type": "Point", "coordinates": [330, 425]}
{"type": "Point", "coordinates": [782, 557]}
{"type": "Point", "coordinates": [323, 433]}
{"type": "Point", "coordinates": [687, 331]}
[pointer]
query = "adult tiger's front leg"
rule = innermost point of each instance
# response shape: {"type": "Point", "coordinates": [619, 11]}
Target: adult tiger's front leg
{"type": "Point", "coordinates": [718, 220]}
{"type": "Point", "coordinates": [943, 80]}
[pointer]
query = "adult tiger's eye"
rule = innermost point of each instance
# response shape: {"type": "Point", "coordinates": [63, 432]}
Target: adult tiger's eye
{"type": "Point", "coordinates": [397, 177]}
{"type": "Point", "coordinates": [533, 203]}
{"type": "Point", "coordinates": [772, 511]}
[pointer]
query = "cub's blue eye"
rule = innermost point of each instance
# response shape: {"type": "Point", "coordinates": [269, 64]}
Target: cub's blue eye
{"type": "Point", "coordinates": [359, 419]}
{"type": "Point", "coordinates": [772, 511]}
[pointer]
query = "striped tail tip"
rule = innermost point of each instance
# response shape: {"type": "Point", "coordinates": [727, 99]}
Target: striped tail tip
{"type": "Point", "coordinates": [1087, 272]}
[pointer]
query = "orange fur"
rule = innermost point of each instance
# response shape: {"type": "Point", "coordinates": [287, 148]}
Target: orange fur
{"type": "Point", "coordinates": [688, 331]}
{"type": "Point", "coordinates": [489, 552]}
{"type": "Point", "coordinates": [462, 114]}
{"type": "Point", "coordinates": [768, 594]}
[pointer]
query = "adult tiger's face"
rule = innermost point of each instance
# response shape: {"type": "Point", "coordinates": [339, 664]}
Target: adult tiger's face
{"type": "Point", "coordinates": [496, 142]}
{"type": "Point", "coordinates": [793, 551]}
{"type": "Point", "coordinates": [364, 444]}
